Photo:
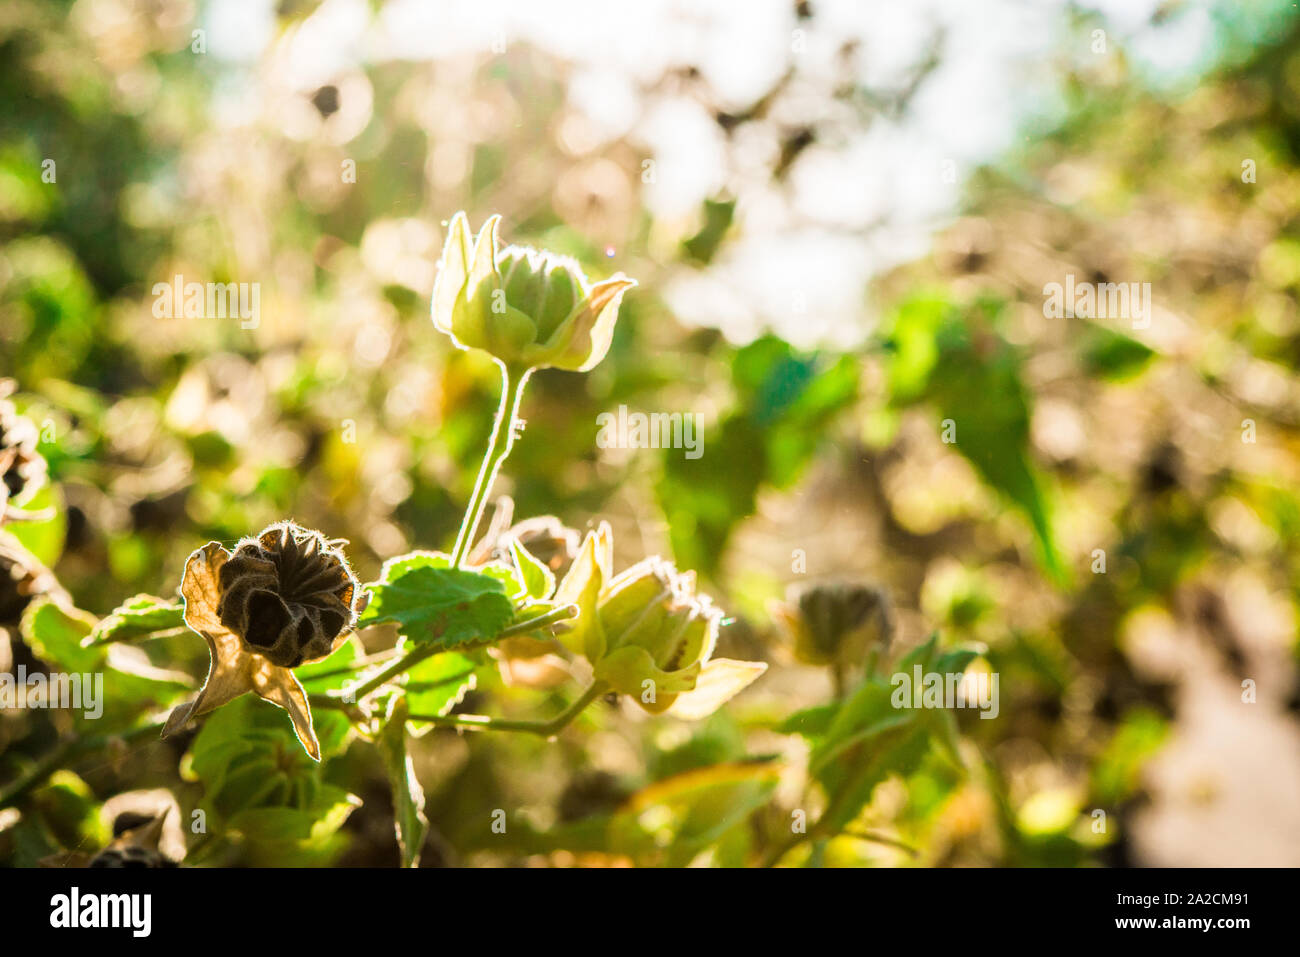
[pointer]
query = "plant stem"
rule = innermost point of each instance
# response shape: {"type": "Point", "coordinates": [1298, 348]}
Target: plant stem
{"type": "Point", "coordinates": [876, 837]}
{"type": "Point", "coordinates": [541, 621]}
{"type": "Point", "coordinates": [422, 652]}
{"type": "Point", "coordinates": [357, 692]}
{"type": "Point", "coordinates": [503, 437]}
{"type": "Point", "coordinates": [482, 722]}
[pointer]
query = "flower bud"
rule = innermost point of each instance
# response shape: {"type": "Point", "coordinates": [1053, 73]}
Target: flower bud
{"type": "Point", "coordinates": [648, 634]}
{"type": "Point", "coordinates": [288, 594]}
{"type": "Point", "coordinates": [837, 624]}
{"type": "Point", "coordinates": [529, 308]}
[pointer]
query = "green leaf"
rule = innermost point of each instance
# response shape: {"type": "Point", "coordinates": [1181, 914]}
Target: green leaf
{"type": "Point", "coordinates": [137, 617]}
{"type": "Point", "coordinates": [44, 539]}
{"type": "Point", "coordinates": [432, 603]}
{"type": "Point", "coordinates": [1112, 355]}
{"type": "Point", "coordinates": [962, 365]}
{"type": "Point", "coordinates": [866, 713]}
{"type": "Point", "coordinates": [510, 579]}
{"type": "Point", "coordinates": [538, 579]}
{"type": "Point", "coordinates": [703, 246]}
{"type": "Point", "coordinates": [684, 814]}
{"type": "Point", "coordinates": [67, 806]}
{"type": "Point", "coordinates": [921, 655]}
{"type": "Point", "coordinates": [810, 722]}
{"type": "Point", "coordinates": [899, 751]}
{"type": "Point", "coordinates": [438, 684]}
{"type": "Point", "coordinates": [785, 403]}
{"type": "Point", "coordinates": [332, 672]}
{"type": "Point", "coordinates": [55, 633]}
{"type": "Point", "coordinates": [295, 836]}
{"type": "Point", "coordinates": [1118, 769]}
{"type": "Point", "coordinates": [956, 660]}
{"type": "Point", "coordinates": [246, 756]}
{"type": "Point", "coordinates": [408, 796]}
{"type": "Point", "coordinates": [124, 681]}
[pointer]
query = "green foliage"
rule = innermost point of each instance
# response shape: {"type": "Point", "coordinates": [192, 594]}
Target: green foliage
{"type": "Point", "coordinates": [1112, 355]}
{"type": "Point", "coordinates": [55, 634]}
{"type": "Point", "coordinates": [972, 376]}
{"type": "Point", "coordinates": [784, 403]}
{"type": "Point", "coordinates": [438, 684]}
{"type": "Point", "coordinates": [137, 617]}
{"type": "Point", "coordinates": [262, 792]}
{"type": "Point", "coordinates": [131, 685]}
{"type": "Point", "coordinates": [537, 578]}
{"type": "Point", "coordinates": [345, 409]}
{"type": "Point", "coordinates": [1115, 775]}
{"type": "Point", "coordinates": [433, 603]}
{"type": "Point", "coordinates": [704, 245]}
{"type": "Point", "coordinates": [408, 796]}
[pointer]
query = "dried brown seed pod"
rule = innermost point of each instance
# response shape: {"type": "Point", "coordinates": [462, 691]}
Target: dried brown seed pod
{"type": "Point", "coordinates": [135, 847]}
{"type": "Point", "coordinates": [22, 468]}
{"type": "Point", "coordinates": [281, 599]}
{"type": "Point", "coordinates": [289, 594]}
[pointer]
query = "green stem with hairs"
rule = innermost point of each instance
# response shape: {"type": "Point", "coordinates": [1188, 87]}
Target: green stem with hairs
{"type": "Point", "coordinates": [513, 381]}
{"type": "Point", "coordinates": [482, 722]}
{"type": "Point", "coordinates": [422, 652]}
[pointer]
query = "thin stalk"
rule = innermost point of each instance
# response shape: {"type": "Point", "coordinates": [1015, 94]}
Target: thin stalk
{"type": "Point", "coordinates": [541, 621]}
{"type": "Point", "coordinates": [503, 437]}
{"type": "Point", "coordinates": [482, 722]}
{"type": "Point", "coordinates": [876, 837]}
{"type": "Point", "coordinates": [408, 661]}
{"type": "Point", "coordinates": [357, 692]}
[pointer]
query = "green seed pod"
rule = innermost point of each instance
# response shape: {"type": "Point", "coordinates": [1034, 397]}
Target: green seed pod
{"type": "Point", "coordinates": [648, 634]}
{"type": "Point", "coordinates": [529, 308]}
{"type": "Point", "coordinates": [289, 594]}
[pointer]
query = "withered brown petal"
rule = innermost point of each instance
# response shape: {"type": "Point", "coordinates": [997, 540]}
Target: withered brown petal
{"type": "Point", "coordinates": [278, 686]}
{"type": "Point", "coordinates": [228, 676]}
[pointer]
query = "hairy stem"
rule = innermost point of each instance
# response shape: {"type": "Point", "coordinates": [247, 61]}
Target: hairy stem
{"type": "Point", "coordinates": [482, 722]}
{"type": "Point", "coordinates": [409, 660]}
{"type": "Point", "coordinates": [503, 437]}
{"type": "Point", "coordinates": [541, 621]}
{"type": "Point", "coordinates": [420, 653]}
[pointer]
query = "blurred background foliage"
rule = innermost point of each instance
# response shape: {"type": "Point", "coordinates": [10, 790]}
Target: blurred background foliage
{"type": "Point", "coordinates": [824, 337]}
